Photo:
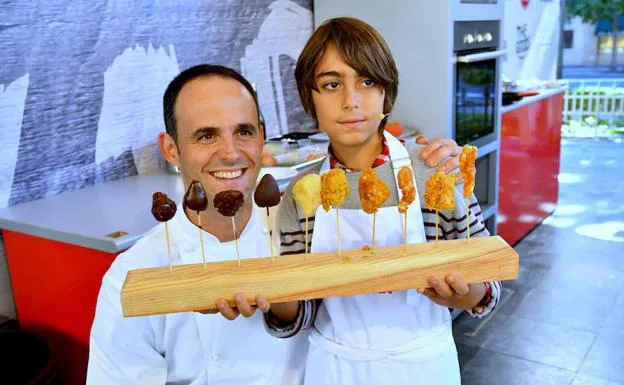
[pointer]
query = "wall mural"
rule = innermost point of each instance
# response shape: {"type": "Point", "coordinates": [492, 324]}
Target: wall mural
{"type": "Point", "coordinates": [12, 101]}
{"type": "Point", "coordinates": [81, 82]}
{"type": "Point", "coordinates": [131, 115]}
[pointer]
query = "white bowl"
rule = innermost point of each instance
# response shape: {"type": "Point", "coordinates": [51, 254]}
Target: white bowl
{"type": "Point", "coordinates": [283, 175]}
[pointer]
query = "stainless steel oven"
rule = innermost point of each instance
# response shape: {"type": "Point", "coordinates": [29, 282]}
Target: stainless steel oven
{"type": "Point", "coordinates": [476, 85]}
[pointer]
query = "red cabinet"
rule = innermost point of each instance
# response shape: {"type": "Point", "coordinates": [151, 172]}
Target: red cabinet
{"type": "Point", "coordinates": [55, 286]}
{"type": "Point", "coordinates": [530, 148]}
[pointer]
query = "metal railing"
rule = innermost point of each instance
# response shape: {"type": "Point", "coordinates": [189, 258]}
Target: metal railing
{"type": "Point", "coordinates": [602, 99]}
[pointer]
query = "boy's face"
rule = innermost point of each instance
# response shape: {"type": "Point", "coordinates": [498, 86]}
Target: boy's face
{"type": "Point", "coordinates": [347, 103]}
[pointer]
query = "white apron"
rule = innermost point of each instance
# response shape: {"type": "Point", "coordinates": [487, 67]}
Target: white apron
{"type": "Point", "coordinates": [188, 348]}
{"type": "Point", "coordinates": [254, 356]}
{"type": "Point", "coordinates": [386, 338]}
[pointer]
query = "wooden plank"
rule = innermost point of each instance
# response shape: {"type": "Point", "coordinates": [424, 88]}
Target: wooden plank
{"type": "Point", "coordinates": [292, 277]}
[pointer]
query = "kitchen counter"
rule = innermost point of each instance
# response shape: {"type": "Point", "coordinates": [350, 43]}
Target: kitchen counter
{"type": "Point", "coordinates": [89, 217]}
{"type": "Point", "coordinates": [530, 148]}
{"type": "Point", "coordinates": [58, 249]}
{"type": "Point", "coordinates": [544, 93]}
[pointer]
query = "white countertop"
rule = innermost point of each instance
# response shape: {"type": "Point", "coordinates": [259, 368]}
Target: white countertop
{"type": "Point", "coordinates": [84, 217]}
{"type": "Point", "coordinates": [543, 94]}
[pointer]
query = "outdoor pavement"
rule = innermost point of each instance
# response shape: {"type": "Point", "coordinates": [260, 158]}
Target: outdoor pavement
{"type": "Point", "coordinates": [561, 321]}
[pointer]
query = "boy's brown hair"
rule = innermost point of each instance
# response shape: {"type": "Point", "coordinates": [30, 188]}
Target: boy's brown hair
{"type": "Point", "coordinates": [360, 46]}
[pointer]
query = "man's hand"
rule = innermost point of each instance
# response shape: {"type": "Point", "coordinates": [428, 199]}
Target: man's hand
{"type": "Point", "coordinates": [286, 311]}
{"type": "Point", "coordinates": [453, 292]}
{"type": "Point", "coordinates": [242, 307]}
{"type": "Point", "coordinates": [441, 153]}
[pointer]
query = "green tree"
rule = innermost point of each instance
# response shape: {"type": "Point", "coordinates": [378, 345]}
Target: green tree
{"type": "Point", "coordinates": [592, 11]}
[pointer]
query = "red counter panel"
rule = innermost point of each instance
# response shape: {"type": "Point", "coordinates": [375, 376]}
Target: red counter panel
{"type": "Point", "coordinates": [55, 286]}
{"type": "Point", "coordinates": [530, 149]}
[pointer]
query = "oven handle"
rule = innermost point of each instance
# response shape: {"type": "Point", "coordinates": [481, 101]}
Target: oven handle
{"type": "Point", "coordinates": [476, 57]}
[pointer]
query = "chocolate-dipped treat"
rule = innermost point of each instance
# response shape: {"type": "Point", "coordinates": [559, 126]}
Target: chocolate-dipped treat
{"type": "Point", "coordinates": [196, 200]}
{"type": "Point", "coordinates": [163, 209]}
{"type": "Point", "coordinates": [267, 192]}
{"type": "Point", "coordinates": [227, 204]}
{"type": "Point", "coordinates": [195, 197]}
{"type": "Point", "coordinates": [267, 195]}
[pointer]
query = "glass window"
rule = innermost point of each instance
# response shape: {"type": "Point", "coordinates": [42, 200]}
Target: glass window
{"type": "Point", "coordinates": [568, 39]}
{"type": "Point", "coordinates": [606, 43]}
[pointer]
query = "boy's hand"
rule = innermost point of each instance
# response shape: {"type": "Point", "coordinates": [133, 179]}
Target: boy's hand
{"type": "Point", "coordinates": [453, 292]}
{"type": "Point", "coordinates": [441, 150]}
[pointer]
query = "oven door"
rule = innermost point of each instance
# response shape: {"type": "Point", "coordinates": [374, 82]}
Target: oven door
{"type": "Point", "coordinates": [475, 95]}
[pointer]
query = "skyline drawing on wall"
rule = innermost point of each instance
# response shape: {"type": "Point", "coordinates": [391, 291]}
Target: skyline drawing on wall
{"type": "Point", "coordinates": [81, 101]}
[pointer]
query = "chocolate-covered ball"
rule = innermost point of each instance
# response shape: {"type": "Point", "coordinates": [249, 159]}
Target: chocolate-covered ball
{"type": "Point", "coordinates": [195, 197]}
{"type": "Point", "coordinates": [267, 193]}
{"type": "Point", "coordinates": [228, 202]}
{"type": "Point", "coordinates": [163, 208]}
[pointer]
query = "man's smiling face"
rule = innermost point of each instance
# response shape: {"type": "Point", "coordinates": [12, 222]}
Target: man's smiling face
{"type": "Point", "coordinates": [219, 142]}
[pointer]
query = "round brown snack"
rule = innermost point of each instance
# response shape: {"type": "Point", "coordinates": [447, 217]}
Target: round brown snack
{"type": "Point", "coordinates": [228, 202]}
{"type": "Point", "coordinates": [195, 197]}
{"type": "Point", "coordinates": [163, 208]}
{"type": "Point", "coordinates": [267, 192]}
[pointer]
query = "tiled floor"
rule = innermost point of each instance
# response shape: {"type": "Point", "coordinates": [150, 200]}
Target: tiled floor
{"type": "Point", "coordinates": [562, 321]}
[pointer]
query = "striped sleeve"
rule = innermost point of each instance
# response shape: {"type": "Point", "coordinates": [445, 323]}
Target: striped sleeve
{"type": "Point", "coordinates": [487, 305]}
{"type": "Point", "coordinates": [292, 241]}
{"type": "Point", "coordinates": [454, 225]}
{"type": "Point", "coordinates": [281, 329]}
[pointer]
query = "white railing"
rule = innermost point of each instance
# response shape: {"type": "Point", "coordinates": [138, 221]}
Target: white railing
{"type": "Point", "coordinates": [602, 99]}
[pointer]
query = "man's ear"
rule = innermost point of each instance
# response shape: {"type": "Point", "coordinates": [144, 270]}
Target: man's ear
{"type": "Point", "coordinates": [262, 130]}
{"type": "Point", "coordinates": [168, 148]}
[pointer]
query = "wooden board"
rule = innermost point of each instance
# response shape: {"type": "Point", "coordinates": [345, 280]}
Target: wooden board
{"type": "Point", "coordinates": [292, 277]}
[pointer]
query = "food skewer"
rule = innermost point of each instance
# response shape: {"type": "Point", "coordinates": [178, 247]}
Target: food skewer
{"type": "Point", "coordinates": [373, 193]}
{"type": "Point", "coordinates": [189, 288]}
{"type": "Point", "coordinates": [236, 241]}
{"type": "Point", "coordinates": [307, 194]}
{"type": "Point", "coordinates": [267, 195]}
{"type": "Point", "coordinates": [196, 200]}
{"type": "Point", "coordinates": [227, 204]}
{"type": "Point", "coordinates": [439, 194]}
{"type": "Point", "coordinates": [163, 209]}
{"type": "Point", "coordinates": [408, 194]}
{"type": "Point", "coordinates": [334, 190]}
{"type": "Point", "coordinates": [468, 172]}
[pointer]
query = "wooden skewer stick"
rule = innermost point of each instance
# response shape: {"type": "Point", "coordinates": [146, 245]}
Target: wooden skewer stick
{"type": "Point", "coordinates": [405, 225]}
{"type": "Point", "coordinates": [168, 247]}
{"type": "Point", "coordinates": [236, 241]}
{"type": "Point", "coordinates": [201, 239]}
{"type": "Point", "coordinates": [468, 218]}
{"type": "Point", "coordinates": [270, 235]}
{"type": "Point", "coordinates": [373, 245]}
{"type": "Point", "coordinates": [436, 242]}
{"type": "Point", "coordinates": [306, 238]}
{"type": "Point", "coordinates": [338, 231]}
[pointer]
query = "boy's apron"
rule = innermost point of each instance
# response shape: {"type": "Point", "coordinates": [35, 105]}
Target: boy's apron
{"type": "Point", "coordinates": [352, 341]}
